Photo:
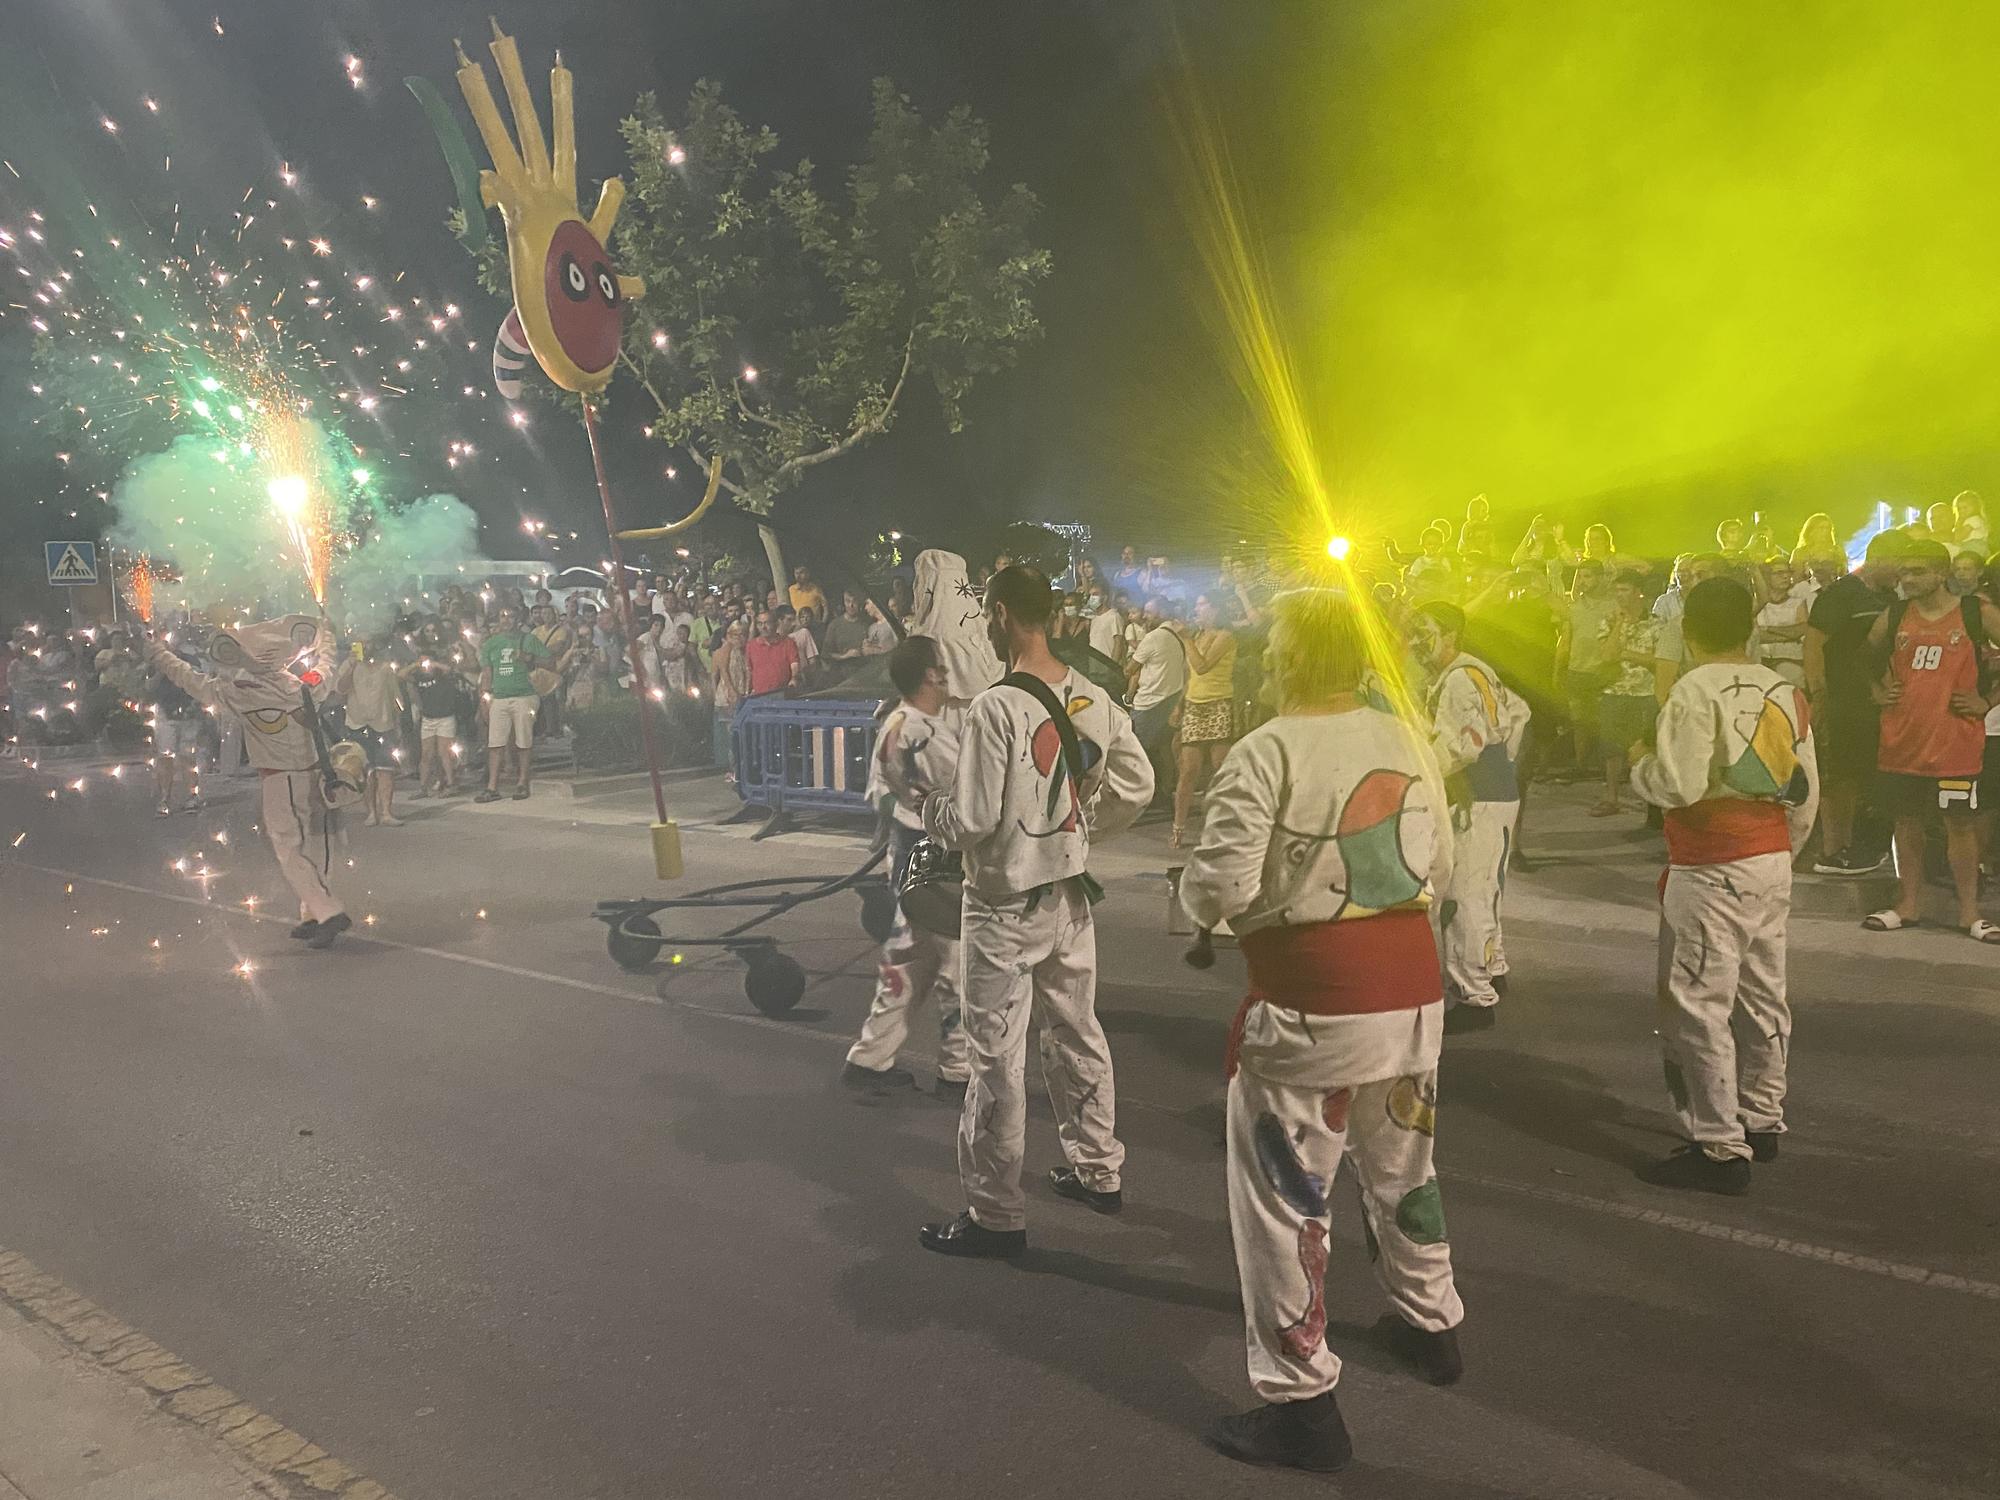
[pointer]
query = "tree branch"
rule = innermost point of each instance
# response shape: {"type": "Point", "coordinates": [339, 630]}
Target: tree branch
{"type": "Point", "coordinates": [737, 387]}
{"type": "Point", "coordinates": [879, 424]}
{"type": "Point", "coordinates": [735, 489]}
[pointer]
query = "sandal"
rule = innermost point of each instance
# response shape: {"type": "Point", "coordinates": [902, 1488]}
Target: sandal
{"type": "Point", "coordinates": [1180, 836]}
{"type": "Point", "coordinates": [1891, 920]}
{"type": "Point", "coordinates": [1606, 810]}
{"type": "Point", "coordinates": [1984, 931]}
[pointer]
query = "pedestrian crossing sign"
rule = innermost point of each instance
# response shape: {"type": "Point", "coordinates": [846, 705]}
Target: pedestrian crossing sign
{"type": "Point", "coordinates": [71, 562]}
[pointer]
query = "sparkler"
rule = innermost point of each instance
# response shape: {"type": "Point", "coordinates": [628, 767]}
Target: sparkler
{"type": "Point", "coordinates": [139, 588]}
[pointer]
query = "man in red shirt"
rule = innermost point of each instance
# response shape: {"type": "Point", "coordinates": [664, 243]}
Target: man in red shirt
{"type": "Point", "coordinates": [1933, 743]}
{"type": "Point", "coordinates": [773, 658]}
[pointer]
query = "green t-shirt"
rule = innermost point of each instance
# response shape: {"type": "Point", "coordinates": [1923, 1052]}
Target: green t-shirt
{"type": "Point", "coordinates": [508, 657]}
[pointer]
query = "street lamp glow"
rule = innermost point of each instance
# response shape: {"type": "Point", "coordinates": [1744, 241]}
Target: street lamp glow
{"type": "Point", "coordinates": [360, 476]}
{"type": "Point", "coordinates": [288, 493]}
{"type": "Point", "coordinates": [1337, 548]}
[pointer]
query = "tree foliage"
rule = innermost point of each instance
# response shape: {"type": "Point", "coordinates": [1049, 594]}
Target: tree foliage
{"type": "Point", "coordinates": [784, 322]}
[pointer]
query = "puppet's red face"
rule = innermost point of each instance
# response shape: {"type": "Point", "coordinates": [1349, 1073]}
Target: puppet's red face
{"type": "Point", "coordinates": [586, 310]}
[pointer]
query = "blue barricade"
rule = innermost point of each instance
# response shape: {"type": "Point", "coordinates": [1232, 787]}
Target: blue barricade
{"type": "Point", "coordinates": [804, 754]}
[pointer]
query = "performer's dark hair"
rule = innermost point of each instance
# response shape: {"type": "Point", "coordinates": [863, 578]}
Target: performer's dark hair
{"type": "Point", "coordinates": [1446, 616]}
{"type": "Point", "coordinates": [1719, 616]}
{"type": "Point", "coordinates": [1025, 592]}
{"type": "Point", "coordinates": [914, 655]}
{"type": "Point", "coordinates": [1887, 546]}
{"type": "Point", "coordinates": [1918, 553]}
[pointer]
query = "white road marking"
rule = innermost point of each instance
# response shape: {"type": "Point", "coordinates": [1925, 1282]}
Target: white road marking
{"type": "Point", "coordinates": [1943, 1281]}
{"type": "Point", "coordinates": [1913, 1275]}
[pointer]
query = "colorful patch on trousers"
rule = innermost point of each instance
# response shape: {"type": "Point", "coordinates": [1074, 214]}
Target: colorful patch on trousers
{"type": "Point", "coordinates": [1333, 1110]}
{"type": "Point", "coordinates": [1421, 1214]}
{"type": "Point", "coordinates": [1303, 1339]}
{"type": "Point", "coordinates": [1413, 1104]}
{"type": "Point", "coordinates": [1303, 1192]}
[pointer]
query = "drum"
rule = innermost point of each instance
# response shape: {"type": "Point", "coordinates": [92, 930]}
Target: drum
{"type": "Point", "coordinates": [933, 890]}
{"type": "Point", "coordinates": [349, 763]}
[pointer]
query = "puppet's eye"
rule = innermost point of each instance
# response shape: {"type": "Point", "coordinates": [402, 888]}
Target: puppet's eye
{"type": "Point", "coordinates": [607, 285]}
{"type": "Point", "coordinates": [575, 285]}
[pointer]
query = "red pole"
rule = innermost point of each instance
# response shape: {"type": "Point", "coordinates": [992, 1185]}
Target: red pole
{"type": "Point", "coordinates": [625, 608]}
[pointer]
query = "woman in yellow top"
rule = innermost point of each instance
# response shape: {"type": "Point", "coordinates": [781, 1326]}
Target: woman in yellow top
{"type": "Point", "coordinates": [1208, 711]}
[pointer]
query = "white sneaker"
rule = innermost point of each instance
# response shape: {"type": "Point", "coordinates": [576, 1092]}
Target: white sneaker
{"type": "Point", "coordinates": [163, 811]}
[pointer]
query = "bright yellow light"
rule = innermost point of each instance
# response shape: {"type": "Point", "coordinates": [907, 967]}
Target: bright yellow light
{"type": "Point", "coordinates": [289, 493]}
{"type": "Point", "coordinates": [1337, 548]}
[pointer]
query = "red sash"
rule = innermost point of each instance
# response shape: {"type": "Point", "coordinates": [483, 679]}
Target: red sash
{"type": "Point", "coordinates": [1362, 967]}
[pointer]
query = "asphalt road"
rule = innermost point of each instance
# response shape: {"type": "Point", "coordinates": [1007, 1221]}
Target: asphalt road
{"type": "Point", "coordinates": [486, 1217]}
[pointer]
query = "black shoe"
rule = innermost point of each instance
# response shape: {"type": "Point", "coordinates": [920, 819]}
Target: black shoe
{"type": "Point", "coordinates": [520, 794]}
{"type": "Point", "coordinates": [1500, 985]}
{"type": "Point", "coordinates": [489, 795]}
{"type": "Point", "coordinates": [1763, 1144]}
{"type": "Point", "coordinates": [1521, 864]}
{"type": "Point", "coordinates": [950, 1091]}
{"type": "Point", "coordinates": [1305, 1435]}
{"type": "Point", "coordinates": [1434, 1356]}
{"type": "Point", "coordinates": [1692, 1167]}
{"type": "Point", "coordinates": [876, 1080]}
{"type": "Point", "coordinates": [1849, 864]}
{"type": "Point", "coordinates": [965, 1235]}
{"type": "Point", "coordinates": [1068, 1185]}
{"type": "Point", "coordinates": [305, 930]}
{"type": "Point", "coordinates": [1462, 1018]}
{"type": "Point", "coordinates": [330, 929]}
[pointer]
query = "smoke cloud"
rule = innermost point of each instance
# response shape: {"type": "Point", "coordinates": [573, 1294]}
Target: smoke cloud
{"type": "Point", "coordinates": [1650, 262]}
{"type": "Point", "coordinates": [206, 509]}
{"type": "Point", "coordinates": [434, 535]}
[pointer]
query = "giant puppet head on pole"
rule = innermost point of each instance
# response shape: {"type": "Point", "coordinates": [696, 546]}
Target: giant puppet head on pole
{"type": "Point", "coordinates": [569, 299]}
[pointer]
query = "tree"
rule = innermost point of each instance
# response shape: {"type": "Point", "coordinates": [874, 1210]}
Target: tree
{"type": "Point", "coordinates": [783, 323]}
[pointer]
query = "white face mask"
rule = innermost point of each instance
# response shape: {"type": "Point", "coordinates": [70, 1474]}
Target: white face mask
{"type": "Point", "coordinates": [1095, 602]}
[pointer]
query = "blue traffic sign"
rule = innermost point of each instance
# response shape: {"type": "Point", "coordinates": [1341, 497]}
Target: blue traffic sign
{"type": "Point", "coordinates": [71, 562]}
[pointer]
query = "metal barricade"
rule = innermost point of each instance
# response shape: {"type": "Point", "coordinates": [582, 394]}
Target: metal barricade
{"type": "Point", "coordinates": [804, 754]}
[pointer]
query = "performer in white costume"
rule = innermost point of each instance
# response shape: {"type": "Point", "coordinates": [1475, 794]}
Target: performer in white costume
{"type": "Point", "coordinates": [1477, 726]}
{"type": "Point", "coordinates": [948, 610]}
{"type": "Point", "coordinates": [258, 689]}
{"type": "Point", "coordinates": [921, 737]}
{"type": "Point", "coordinates": [1324, 844]}
{"type": "Point", "coordinates": [1735, 769]}
{"type": "Point", "coordinates": [1023, 816]}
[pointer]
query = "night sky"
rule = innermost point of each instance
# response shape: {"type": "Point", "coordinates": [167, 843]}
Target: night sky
{"type": "Point", "coordinates": [1066, 88]}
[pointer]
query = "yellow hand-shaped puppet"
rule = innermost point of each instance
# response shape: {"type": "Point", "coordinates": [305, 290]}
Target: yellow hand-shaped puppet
{"type": "Point", "coordinates": [570, 301]}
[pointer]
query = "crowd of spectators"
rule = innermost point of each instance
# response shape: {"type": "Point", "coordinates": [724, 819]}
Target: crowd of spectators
{"type": "Point", "coordinates": [1589, 634]}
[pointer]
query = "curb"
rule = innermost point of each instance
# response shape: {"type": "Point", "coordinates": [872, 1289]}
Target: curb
{"type": "Point", "coordinates": [259, 1441]}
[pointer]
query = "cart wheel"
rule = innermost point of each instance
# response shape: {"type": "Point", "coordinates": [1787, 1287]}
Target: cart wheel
{"type": "Point", "coordinates": [878, 911]}
{"type": "Point", "coordinates": [773, 982]}
{"type": "Point", "coordinates": [632, 953]}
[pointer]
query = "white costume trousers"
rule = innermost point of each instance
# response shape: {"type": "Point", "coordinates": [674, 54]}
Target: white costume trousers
{"type": "Point", "coordinates": [916, 966]}
{"type": "Point", "coordinates": [1308, 1091]}
{"type": "Point", "coordinates": [1725, 1024]}
{"type": "Point", "coordinates": [1469, 914]}
{"type": "Point", "coordinates": [1032, 956]}
{"type": "Point", "coordinates": [288, 805]}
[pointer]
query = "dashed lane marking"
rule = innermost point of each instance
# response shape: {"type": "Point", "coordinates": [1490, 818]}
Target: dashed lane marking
{"type": "Point", "coordinates": [1912, 1275]}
